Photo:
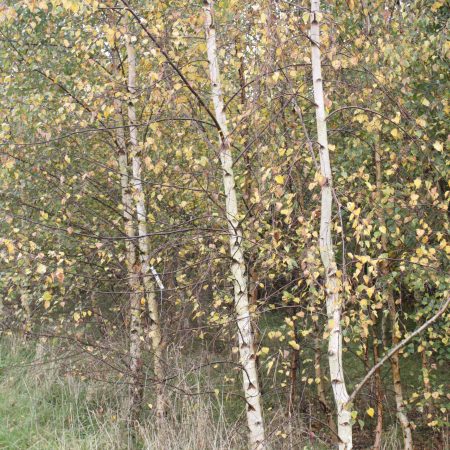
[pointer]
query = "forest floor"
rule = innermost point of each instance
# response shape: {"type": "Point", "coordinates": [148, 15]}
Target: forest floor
{"type": "Point", "coordinates": [44, 407]}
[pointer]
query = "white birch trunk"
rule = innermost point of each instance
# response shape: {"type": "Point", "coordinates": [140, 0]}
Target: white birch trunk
{"type": "Point", "coordinates": [135, 391]}
{"type": "Point", "coordinates": [333, 303]}
{"type": "Point", "coordinates": [135, 396]}
{"type": "Point", "coordinates": [320, 386]}
{"type": "Point", "coordinates": [246, 345]}
{"type": "Point", "coordinates": [144, 248]}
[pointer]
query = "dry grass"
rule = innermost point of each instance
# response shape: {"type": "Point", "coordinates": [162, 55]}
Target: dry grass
{"type": "Point", "coordinates": [43, 407]}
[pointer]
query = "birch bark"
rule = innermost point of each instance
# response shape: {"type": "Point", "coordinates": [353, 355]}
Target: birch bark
{"type": "Point", "coordinates": [135, 395]}
{"type": "Point", "coordinates": [333, 302]}
{"type": "Point", "coordinates": [320, 386]}
{"type": "Point", "coordinates": [238, 270]}
{"type": "Point", "coordinates": [144, 248]}
{"type": "Point", "coordinates": [395, 360]}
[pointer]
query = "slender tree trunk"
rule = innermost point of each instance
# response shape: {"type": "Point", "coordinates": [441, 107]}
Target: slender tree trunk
{"type": "Point", "coordinates": [378, 395]}
{"type": "Point", "coordinates": [139, 197]}
{"type": "Point", "coordinates": [247, 193]}
{"type": "Point", "coordinates": [395, 360]}
{"type": "Point", "coordinates": [293, 369]}
{"type": "Point", "coordinates": [320, 386]}
{"type": "Point", "coordinates": [367, 19]}
{"type": "Point", "coordinates": [271, 35]}
{"type": "Point", "coordinates": [384, 319]}
{"type": "Point", "coordinates": [396, 377]}
{"type": "Point", "coordinates": [333, 302]}
{"type": "Point", "coordinates": [241, 301]}
{"type": "Point", "coordinates": [253, 297]}
{"type": "Point", "coordinates": [136, 391]}
{"type": "Point", "coordinates": [25, 302]}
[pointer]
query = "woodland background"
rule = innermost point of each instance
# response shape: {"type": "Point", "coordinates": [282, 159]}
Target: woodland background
{"type": "Point", "coordinates": [120, 319]}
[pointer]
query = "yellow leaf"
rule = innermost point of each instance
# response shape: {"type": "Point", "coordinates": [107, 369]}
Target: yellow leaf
{"type": "Point", "coordinates": [438, 146]}
{"type": "Point", "coordinates": [279, 179]}
{"type": "Point", "coordinates": [10, 247]}
{"type": "Point", "coordinates": [370, 412]}
{"type": "Point", "coordinates": [336, 64]}
{"type": "Point", "coordinates": [436, 5]}
{"type": "Point", "coordinates": [421, 122]}
{"type": "Point", "coordinates": [417, 183]}
{"type": "Point", "coordinates": [41, 269]}
{"type": "Point", "coordinates": [76, 316]}
{"type": "Point", "coordinates": [110, 36]}
{"type": "Point", "coordinates": [294, 345]}
{"type": "Point", "coordinates": [395, 133]}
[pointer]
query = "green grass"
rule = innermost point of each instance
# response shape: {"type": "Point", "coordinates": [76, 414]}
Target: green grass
{"type": "Point", "coordinates": [40, 409]}
{"type": "Point", "coordinates": [44, 408]}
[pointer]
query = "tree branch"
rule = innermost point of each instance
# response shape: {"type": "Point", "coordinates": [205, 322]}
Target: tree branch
{"type": "Point", "coordinates": [398, 347]}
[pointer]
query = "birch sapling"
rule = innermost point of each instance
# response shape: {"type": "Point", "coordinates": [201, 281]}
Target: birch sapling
{"type": "Point", "coordinates": [135, 391]}
{"type": "Point", "coordinates": [333, 302]}
{"type": "Point", "coordinates": [395, 360]}
{"type": "Point", "coordinates": [144, 248]}
{"type": "Point", "coordinates": [241, 302]}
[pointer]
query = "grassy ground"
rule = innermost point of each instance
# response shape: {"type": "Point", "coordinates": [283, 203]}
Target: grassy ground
{"type": "Point", "coordinates": [44, 407]}
{"type": "Point", "coordinates": [41, 410]}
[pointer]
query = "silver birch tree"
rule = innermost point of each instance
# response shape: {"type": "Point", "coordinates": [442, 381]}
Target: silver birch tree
{"type": "Point", "coordinates": [138, 194]}
{"type": "Point", "coordinates": [333, 301]}
{"type": "Point", "coordinates": [238, 270]}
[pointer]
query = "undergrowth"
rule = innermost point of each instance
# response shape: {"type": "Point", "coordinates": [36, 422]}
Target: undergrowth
{"type": "Point", "coordinates": [44, 407]}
